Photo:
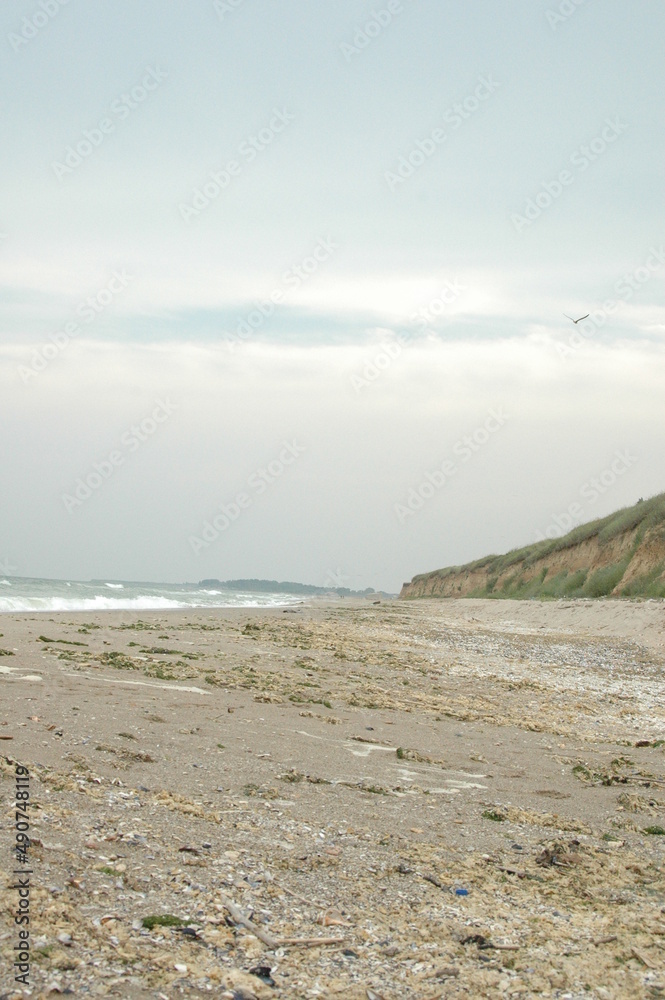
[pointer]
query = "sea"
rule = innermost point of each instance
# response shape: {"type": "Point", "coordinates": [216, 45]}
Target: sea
{"type": "Point", "coordinates": [31, 594]}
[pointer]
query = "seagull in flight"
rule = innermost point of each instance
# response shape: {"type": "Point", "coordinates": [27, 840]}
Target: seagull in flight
{"type": "Point", "coordinates": [576, 320]}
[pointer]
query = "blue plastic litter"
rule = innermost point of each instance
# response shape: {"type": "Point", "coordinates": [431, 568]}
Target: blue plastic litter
{"type": "Point", "coordinates": [461, 892]}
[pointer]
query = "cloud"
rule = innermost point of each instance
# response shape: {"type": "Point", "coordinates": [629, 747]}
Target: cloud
{"type": "Point", "coordinates": [233, 411]}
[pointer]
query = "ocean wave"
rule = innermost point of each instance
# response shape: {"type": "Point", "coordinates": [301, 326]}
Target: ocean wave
{"type": "Point", "coordinates": [116, 586]}
{"type": "Point", "coordinates": [5, 583]}
{"type": "Point", "coordinates": [144, 602]}
{"type": "Point", "coordinates": [97, 603]}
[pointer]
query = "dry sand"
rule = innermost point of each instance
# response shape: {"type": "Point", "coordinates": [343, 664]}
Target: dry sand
{"type": "Point", "coordinates": [339, 771]}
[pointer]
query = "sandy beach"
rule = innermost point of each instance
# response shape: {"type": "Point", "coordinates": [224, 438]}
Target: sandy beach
{"type": "Point", "coordinates": [403, 799]}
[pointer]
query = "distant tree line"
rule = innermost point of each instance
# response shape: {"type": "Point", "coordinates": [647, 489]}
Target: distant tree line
{"type": "Point", "coordinates": [283, 587]}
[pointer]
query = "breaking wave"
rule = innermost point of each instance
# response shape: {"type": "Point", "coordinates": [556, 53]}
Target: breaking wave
{"type": "Point", "coordinates": [44, 595]}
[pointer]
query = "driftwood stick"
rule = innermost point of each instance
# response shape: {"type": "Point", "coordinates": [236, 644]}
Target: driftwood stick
{"type": "Point", "coordinates": [239, 917]}
{"type": "Point", "coordinates": [311, 942]}
{"type": "Point", "coordinates": [273, 943]}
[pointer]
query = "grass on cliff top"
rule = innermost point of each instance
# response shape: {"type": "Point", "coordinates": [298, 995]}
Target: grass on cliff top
{"type": "Point", "coordinates": [644, 515]}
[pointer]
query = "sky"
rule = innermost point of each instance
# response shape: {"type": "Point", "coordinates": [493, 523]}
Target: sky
{"type": "Point", "coordinates": [283, 282]}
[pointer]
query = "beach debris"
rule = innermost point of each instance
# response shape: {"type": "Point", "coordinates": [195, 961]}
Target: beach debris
{"type": "Point", "coordinates": [245, 986]}
{"type": "Point", "coordinates": [327, 859]}
{"type": "Point", "coordinates": [189, 932]}
{"type": "Point", "coordinates": [162, 920]}
{"type": "Point", "coordinates": [495, 815]}
{"type": "Point", "coordinates": [644, 959]}
{"type": "Point", "coordinates": [332, 918]}
{"type": "Point", "coordinates": [478, 939]}
{"type": "Point", "coordinates": [312, 942]}
{"type": "Point", "coordinates": [447, 972]}
{"type": "Point", "coordinates": [262, 972]}
{"type": "Point", "coordinates": [434, 880]}
{"type": "Point", "coordinates": [239, 917]}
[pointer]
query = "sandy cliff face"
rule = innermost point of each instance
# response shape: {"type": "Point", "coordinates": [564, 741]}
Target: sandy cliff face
{"type": "Point", "coordinates": [621, 556]}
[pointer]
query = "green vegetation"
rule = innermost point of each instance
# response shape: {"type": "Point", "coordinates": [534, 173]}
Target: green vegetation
{"type": "Point", "coordinates": [495, 816]}
{"type": "Point", "coordinates": [285, 587]}
{"type": "Point", "coordinates": [118, 660]}
{"type": "Point", "coordinates": [216, 680]}
{"type": "Point", "coordinates": [647, 584]}
{"type": "Point", "coordinates": [656, 831]}
{"type": "Point", "coordinates": [67, 642]}
{"type": "Point", "coordinates": [628, 528]}
{"type": "Point", "coordinates": [604, 580]}
{"type": "Point", "coordinates": [163, 920]}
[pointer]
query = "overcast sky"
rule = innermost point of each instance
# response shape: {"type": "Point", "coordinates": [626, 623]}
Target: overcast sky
{"type": "Point", "coordinates": [283, 282]}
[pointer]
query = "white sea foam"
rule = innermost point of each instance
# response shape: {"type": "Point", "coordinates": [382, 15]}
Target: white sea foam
{"type": "Point", "coordinates": [96, 603]}
{"type": "Point", "coordinates": [32, 594]}
{"type": "Point", "coordinates": [5, 583]}
{"type": "Point", "coordinates": [143, 602]}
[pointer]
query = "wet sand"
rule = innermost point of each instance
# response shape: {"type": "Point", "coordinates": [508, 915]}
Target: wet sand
{"type": "Point", "coordinates": [449, 792]}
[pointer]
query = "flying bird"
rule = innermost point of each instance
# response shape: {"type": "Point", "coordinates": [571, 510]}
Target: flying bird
{"type": "Point", "coordinates": [576, 320]}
